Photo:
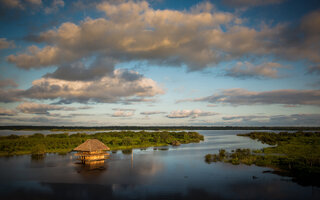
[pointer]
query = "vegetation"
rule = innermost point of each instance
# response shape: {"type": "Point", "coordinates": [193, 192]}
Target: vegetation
{"type": "Point", "coordinates": [38, 151]}
{"type": "Point", "coordinates": [295, 154]}
{"type": "Point", "coordinates": [62, 143]}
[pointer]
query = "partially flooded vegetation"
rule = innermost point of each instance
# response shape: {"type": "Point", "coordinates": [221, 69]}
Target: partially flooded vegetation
{"type": "Point", "coordinates": [292, 154]}
{"type": "Point", "coordinates": [38, 144]}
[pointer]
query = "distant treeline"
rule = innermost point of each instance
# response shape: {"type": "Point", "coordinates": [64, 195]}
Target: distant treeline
{"type": "Point", "coordinates": [157, 128]}
{"type": "Point", "coordinates": [65, 142]}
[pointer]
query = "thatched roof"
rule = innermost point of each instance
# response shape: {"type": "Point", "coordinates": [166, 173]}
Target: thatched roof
{"type": "Point", "coordinates": [92, 145]}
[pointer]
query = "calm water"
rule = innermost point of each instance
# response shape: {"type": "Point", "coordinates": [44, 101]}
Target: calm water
{"type": "Point", "coordinates": [175, 173]}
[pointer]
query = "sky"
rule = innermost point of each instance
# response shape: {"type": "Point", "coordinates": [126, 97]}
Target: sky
{"type": "Point", "coordinates": [160, 62]}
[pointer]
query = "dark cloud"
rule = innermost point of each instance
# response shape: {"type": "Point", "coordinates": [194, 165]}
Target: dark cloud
{"type": "Point", "coordinates": [197, 38]}
{"type": "Point", "coordinates": [243, 70]}
{"type": "Point", "coordinates": [274, 120]}
{"type": "Point", "coordinates": [314, 70]}
{"type": "Point", "coordinates": [78, 71]}
{"type": "Point", "coordinates": [10, 95]}
{"type": "Point", "coordinates": [36, 108]}
{"type": "Point", "coordinates": [8, 83]}
{"type": "Point", "coordinates": [7, 112]}
{"type": "Point", "coordinates": [130, 75]}
{"type": "Point", "coordinates": [245, 117]}
{"type": "Point", "coordinates": [44, 109]}
{"type": "Point", "coordinates": [244, 97]}
{"type": "Point", "coordinates": [5, 44]}
{"type": "Point", "coordinates": [250, 3]}
{"type": "Point", "coordinates": [54, 7]}
{"type": "Point", "coordinates": [296, 120]}
{"type": "Point", "coordinates": [12, 4]}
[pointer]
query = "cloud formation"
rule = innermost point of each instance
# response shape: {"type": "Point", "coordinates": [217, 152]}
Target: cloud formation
{"type": "Point", "coordinates": [250, 3]}
{"type": "Point", "coordinates": [152, 113]}
{"type": "Point", "coordinates": [245, 117]}
{"type": "Point", "coordinates": [199, 38]}
{"type": "Point", "coordinates": [78, 71]}
{"type": "Point", "coordinates": [274, 120]}
{"type": "Point", "coordinates": [8, 83]}
{"type": "Point", "coordinates": [10, 95]}
{"type": "Point", "coordinates": [12, 4]}
{"type": "Point", "coordinates": [163, 36]}
{"type": "Point", "coordinates": [108, 89]}
{"type": "Point", "coordinates": [20, 4]}
{"type": "Point", "coordinates": [190, 113]}
{"type": "Point", "coordinates": [296, 119]}
{"type": "Point", "coordinates": [314, 69]}
{"type": "Point", "coordinates": [122, 86]}
{"type": "Point", "coordinates": [5, 44]}
{"type": "Point", "coordinates": [37, 108]}
{"type": "Point", "coordinates": [7, 112]}
{"type": "Point", "coordinates": [240, 96]}
{"type": "Point", "coordinates": [55, 5]}
{"type": "Point", "coordinates": [244, 70]}
{"type": "Point", "coordinates": [123, 112]}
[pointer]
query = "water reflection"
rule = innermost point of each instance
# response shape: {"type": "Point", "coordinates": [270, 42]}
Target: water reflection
{"type": "Point", "coordinates": [127, 151]}
{"type": "Point", "coordinates": [122, 191]}
{"type": "Point", "coordinates": [174, 173]}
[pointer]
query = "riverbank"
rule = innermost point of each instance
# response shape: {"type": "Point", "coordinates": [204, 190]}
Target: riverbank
{"type": "Point", "coordinates": [294, 154]}
{"type": "Point", "coordinates": [65, 142]}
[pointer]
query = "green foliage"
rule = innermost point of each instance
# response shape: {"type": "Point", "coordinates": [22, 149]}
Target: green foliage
{"type": "Point", "coordinates": [62, 143]}
{"type": "Point", "coordinates": [36, 135]}
{"type": "Point", "coordinates": [38, 149]}
{"type": "Point", "coordinates": [296, 154]}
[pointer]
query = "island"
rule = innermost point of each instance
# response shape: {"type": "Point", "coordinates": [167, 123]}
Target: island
{"type": "Point", "coordinates": [38, 143]}
{"type": "Point", "coordinates": [291, 154]}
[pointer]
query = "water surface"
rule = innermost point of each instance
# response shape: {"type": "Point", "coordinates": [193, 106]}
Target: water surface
{"type": "Point", "coordinates": [160, 173]}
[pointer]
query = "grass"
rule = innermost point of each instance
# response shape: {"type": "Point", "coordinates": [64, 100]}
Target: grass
{"type": "Point", "coordinates": [65, 142]}
{"type": "Point", "coordinates": [293, 154]}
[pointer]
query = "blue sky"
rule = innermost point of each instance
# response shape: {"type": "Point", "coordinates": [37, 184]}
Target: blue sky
{"type": "Point", "coordinates": [158, 62]}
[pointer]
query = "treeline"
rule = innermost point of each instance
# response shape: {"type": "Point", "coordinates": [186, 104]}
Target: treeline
{"type": "Point", "coordinates": [65, 142]}
{"type": "Point", "coordinates": [157, 128]}
{"type": "Point", "coordinates": [276, 138]}
{"type": "Point", "coordinates": [295, 154]}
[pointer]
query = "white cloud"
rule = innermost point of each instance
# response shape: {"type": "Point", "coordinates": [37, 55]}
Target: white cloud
{"type": "Point", "coordinates": [199, 38]}
{"type": "Point", "coordinates": [123, 113]}
{"type": "Point", "coordinates": [190, 113]}
{"type": "Point", "coordinates": [108, 89]}
{"type": "Point", "coordinates": [162, 36]}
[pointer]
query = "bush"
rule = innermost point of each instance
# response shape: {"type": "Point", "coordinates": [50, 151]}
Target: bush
{"type": "Point", "coordinates": [39, 149]}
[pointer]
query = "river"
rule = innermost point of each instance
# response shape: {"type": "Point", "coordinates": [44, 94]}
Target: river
{"type": "Point", "coordinates": [152, 173]}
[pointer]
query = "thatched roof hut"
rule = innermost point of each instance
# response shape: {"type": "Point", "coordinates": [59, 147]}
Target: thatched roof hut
{"type": "Point", "coordinates": [91, 150]}
{"type": "Point", "coordinates": [92, 145]}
